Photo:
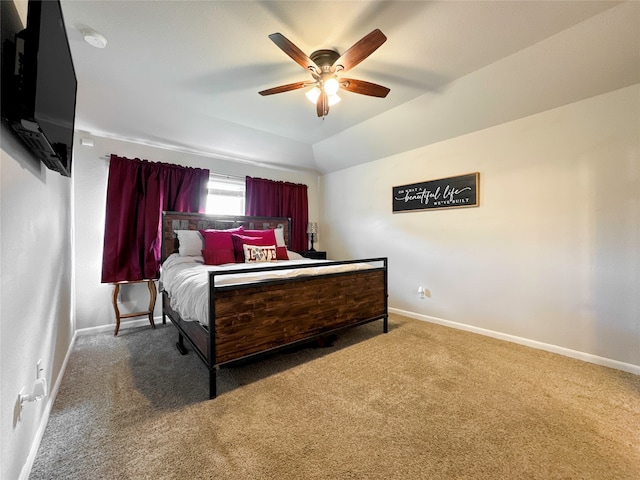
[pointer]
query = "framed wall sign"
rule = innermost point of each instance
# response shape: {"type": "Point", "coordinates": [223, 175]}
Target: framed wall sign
{"type": "Point", "coordinates": [451, 192]}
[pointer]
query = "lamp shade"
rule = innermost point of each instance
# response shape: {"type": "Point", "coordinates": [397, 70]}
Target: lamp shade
{"type": "Point", "coordinates": [313, 94]}
{"type": "Point", "coordinates": [312, 227]}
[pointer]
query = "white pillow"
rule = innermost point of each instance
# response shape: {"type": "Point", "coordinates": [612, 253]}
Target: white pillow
{"type": "Point", "coordinates": [279, 233]}
{"type": "Point", "coordinates": [191, 244]}
{"type": "Point", "coordinates": [294, 255]}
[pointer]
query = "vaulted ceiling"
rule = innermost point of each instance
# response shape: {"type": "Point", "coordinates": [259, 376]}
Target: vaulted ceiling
{"type": "Point", "coordinates": [185, 75]}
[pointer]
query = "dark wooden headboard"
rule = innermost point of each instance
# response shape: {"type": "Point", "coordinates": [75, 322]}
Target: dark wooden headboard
{"type": "Point", "coordinates": [172, 221]}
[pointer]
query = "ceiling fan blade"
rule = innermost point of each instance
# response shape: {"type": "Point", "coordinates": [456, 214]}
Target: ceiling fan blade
{"type": "Point", "coordinates": [361, 50]}
{"type": "Point", "coordinates": [294, 52]}
{"type": "Point", "coordinates": [363, 88]}
{"type": "Point", "coordinates": [322, 107]}
{"type": "Point", "coordinates": [285, 88]}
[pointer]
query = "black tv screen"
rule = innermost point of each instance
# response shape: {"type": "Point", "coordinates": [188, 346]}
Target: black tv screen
{"type": "Point", "coordinates": [46, 85]}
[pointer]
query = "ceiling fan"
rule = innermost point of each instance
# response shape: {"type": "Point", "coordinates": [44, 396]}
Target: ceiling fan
{"type": "Point", "coordinates": [326, 68]}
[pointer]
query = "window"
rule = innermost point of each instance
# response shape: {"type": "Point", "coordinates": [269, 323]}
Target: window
{"type": "Point", "coordinates": [225, 195]}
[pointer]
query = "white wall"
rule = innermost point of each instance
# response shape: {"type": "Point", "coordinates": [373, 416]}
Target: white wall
{"type": "Point", "coordinates": [93, 307]}
{"type": "Point", "coordinates": [35, 291]}
{"type": "Point", "coordinates": [552, 254]}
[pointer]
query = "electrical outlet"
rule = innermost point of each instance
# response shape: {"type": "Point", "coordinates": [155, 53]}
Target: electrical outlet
{"type": "Point", "coordinates": [423, 292]}
{"type": "Point", "coordinates": [19, 404]}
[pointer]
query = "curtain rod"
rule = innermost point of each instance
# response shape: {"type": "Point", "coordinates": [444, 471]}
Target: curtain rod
{"type": "Point", "coordinates": [217, 175]}
{"type": "Point", "coordinates": [222, 175]}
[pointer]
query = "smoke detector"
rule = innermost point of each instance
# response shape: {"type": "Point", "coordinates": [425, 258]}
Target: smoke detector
{"type": "Point", "coordinates": [94, 38]}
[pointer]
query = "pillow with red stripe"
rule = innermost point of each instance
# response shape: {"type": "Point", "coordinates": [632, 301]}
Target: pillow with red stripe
{"type": "Point", "coordinates": [278, 240]}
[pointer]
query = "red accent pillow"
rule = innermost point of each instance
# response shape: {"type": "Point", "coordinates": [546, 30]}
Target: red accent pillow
{"type": "Point", "coordinates": [220, 242]}
{"type": "Point", "coordinates": [268, 234]}
{"type": "Point", "coordinates": [218, 256]}
{"type": "Point", "coordinates": [214, 239]}
{"type": "Point", "coordinates": [240, 240]}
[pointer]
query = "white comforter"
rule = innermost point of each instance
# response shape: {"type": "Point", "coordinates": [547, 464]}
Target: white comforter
{"type": "Point", "coordinates": [186, 280]}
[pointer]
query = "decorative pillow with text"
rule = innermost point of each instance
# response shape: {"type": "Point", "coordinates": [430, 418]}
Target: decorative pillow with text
{"type": "Point", "coordinates": [259, 253]}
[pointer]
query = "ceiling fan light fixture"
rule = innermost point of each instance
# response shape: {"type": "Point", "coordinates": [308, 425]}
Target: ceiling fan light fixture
{"type": "Point", "coordinates": [313, 94]}
{"type": "Point", "coordinates": [331, 86]}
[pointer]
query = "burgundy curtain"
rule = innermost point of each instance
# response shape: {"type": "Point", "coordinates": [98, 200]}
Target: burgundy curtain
{"type": "Point", "coordinates": [280, 199]}
{"type": "Point", "coordinates": [137, 193]}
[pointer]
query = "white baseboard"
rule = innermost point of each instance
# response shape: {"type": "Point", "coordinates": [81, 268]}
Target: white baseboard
{"type": "Point", "coordinates": [44, 420]}
{"type": "Point", "coordinates": [140, 322]}
{"type": "Point", "coordinates": [586, 357]}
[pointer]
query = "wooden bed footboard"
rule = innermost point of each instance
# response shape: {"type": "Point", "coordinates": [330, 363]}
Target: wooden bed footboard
{"type": "Point", "coordinates": [259, 318]}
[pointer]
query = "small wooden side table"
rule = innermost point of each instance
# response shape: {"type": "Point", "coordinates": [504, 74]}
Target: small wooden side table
{"type": "Point", "coordinates": [152, 303]}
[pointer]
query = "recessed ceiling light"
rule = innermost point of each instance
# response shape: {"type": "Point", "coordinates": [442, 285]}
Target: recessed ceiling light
{"type": "Point", "coordinates": [94, 38]}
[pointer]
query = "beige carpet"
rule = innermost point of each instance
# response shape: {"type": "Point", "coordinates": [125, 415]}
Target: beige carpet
{"type": "Point", "coordinates": [421, 402]}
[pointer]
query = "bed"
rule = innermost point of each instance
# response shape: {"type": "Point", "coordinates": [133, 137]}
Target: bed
{"type": "Point", "coordinates": [247, 310]}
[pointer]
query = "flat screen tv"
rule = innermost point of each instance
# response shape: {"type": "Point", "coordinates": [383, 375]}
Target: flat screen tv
{"type": "Point", "coordinates": [42, 103]}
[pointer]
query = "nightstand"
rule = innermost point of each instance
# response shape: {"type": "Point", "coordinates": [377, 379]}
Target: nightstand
{"type": "Point", "coordinates": [314, 254]}
{"type": "Point", "coordinates": [152, 302]}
